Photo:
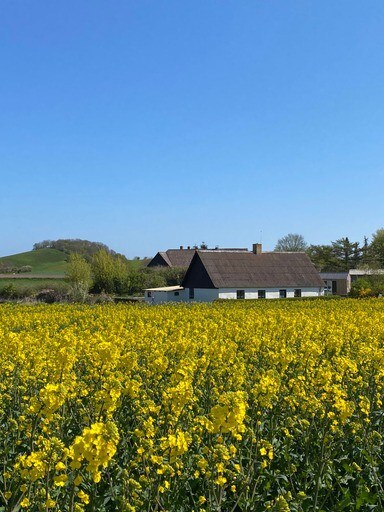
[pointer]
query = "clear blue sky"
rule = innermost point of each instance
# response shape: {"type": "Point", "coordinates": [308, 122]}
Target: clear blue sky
{"type": "Point", "coordinates": [151, 124]}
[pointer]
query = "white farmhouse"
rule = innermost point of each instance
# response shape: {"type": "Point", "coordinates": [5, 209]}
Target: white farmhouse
{"type": "Point", "coordinates": [215, 274]}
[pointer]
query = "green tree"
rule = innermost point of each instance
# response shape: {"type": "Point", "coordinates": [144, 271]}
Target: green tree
{"type": "Point", "coordinates": [149, 278]}
{"type": "Point", "coordinates": [292, 242]}
{"type": "Point", "coordinates": [365, 260]}
{"type": "Point", "coordinates": [110, 273]}
{"type": "Point", "coordinates": [173, 276]}
{"type": "Point", "coordinates": [376, 249]}
{"type": "Point", "coordinates": [347, 253]}
{"type": "Point", "coordinates": [323, 258]}
{"type": "Point", "coordinates": [78, 275]}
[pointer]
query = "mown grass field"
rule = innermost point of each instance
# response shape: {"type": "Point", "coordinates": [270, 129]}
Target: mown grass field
{"type": "Point", "coordinates": [42, 261]}
{"type": "Point", "coordinates": [232, 406]}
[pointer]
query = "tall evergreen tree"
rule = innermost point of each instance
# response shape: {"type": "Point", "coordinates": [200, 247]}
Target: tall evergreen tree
{"type": "Point", "coordinates": [323, 258]}
{"type": "Point", "coordinates": [347, 253]}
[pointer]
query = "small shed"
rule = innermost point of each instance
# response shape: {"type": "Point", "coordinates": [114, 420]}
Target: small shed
{"type": "Point", "coordinates": [164, 294]}
{"type": "Point", "coordinates": [336, 283]}
{"type": "Point", "coordinates": [339, 283]}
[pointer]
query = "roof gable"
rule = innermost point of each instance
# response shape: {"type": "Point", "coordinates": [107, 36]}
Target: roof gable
{"type": "Point", "coordinates": [160, 260]}
{"type": "Point", "coordinates": [197, 275]}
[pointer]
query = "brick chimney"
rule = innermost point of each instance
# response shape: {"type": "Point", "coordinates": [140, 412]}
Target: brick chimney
{"type": "Point", "coordinates": [257, 248]}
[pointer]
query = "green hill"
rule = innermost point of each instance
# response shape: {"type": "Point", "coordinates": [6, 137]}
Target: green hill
{"type": "Point", "coordinates": [43, 261]}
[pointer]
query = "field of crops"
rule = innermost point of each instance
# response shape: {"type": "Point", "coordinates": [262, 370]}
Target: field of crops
{"type": "Point", "coordinates": [234, 406]}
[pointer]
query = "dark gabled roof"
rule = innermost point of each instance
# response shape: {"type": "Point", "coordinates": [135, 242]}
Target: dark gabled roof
{"type": "Point", "coordinates": [172, 258]}
{"type": "Point", "coordinates": [167, 261]}
{"type": "Point", "coordinates": [181, 257]}
{"type": "Point", "coordinates": [249, 270]}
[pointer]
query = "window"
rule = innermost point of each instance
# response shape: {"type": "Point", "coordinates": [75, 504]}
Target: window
{"type": "Point", "coordinates": [191, 293]}
{"type": "Point", "coordinates": [176, 293]}
{"type": "Point", "coordinates": [297, 292]}
{"type": "Point", "coordinates": [149, 294]}
{"type": "Point", "coordinates": [261, 294]}
{"type": "Point", "coordinates": [240, 294]}
{"type": "Point", "coordinates": [283, 294]}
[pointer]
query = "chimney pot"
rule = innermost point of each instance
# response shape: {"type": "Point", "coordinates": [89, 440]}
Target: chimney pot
{"type": "Point", "coordinates": [181, 247]}
{"type": "Point", "coordinates": [189, 246]}
{"type": "Point", "coordinates": [257, 248]}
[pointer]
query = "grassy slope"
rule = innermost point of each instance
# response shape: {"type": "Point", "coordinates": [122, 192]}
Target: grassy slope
{"type": "Point", "coordinates": [42, 261]}
{"type": "Point", "coordinates": [46, 262]}
{"type": "Point", "coordinates": [138, 264]}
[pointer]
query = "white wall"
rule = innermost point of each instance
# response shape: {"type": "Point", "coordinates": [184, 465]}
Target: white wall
{"type": "Point", "coordinates": [203, 294]}
{"type": "Point", "coordinates": [271, 293]}
{"type": "Point", "coordinates": [211, 294]}
{"type": "Point", "coordinates": [156, 297]}
{"type": "Point", "coordinates": [312, 292]}
{"type": "Point", "coordinates": [159, 297]}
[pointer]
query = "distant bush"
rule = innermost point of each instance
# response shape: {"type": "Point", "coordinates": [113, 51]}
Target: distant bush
{"type": "Point", "coordinates": [101, 298]}
{"type": "Point", "coordinates": [8, 292]}
{"type": "Point", "coordinates": [8, 270]}
{"type": "Point", "coordinates": [369, 286]}
{"type": "Point", "coordinates": [13, 292]}
{"type": "Point", "coordinates": [49, 296]}
{"type": "Point", "coordinates": [15, 270]}
{"type": "Point", "coordinates": [19, 290]}
{"type": "Point", "coordinates": [24, 269]}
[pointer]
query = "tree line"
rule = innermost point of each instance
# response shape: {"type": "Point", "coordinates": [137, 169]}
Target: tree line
{"type": "Point", "coordinates": [341, 255]}
{"type": "Point", "coordinates": [113, 274]}
{"type": "Point", "coordinates": [74, 245]}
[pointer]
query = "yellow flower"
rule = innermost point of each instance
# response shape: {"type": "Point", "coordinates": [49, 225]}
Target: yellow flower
{"type": "Point", "coordinates": [221, 480]}
{"type": "Point", "coordinates": [60, 466]}
{"type": "Point", "coordinates": [60, 480]}
{"type": "Point", "coordinates": [78, 480]}
{"type": "Point", "coordinates": [83, 496]}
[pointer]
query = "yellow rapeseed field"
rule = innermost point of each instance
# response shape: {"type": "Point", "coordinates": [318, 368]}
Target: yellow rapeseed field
{"type": "Point", "coordinates": [234, 406]}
